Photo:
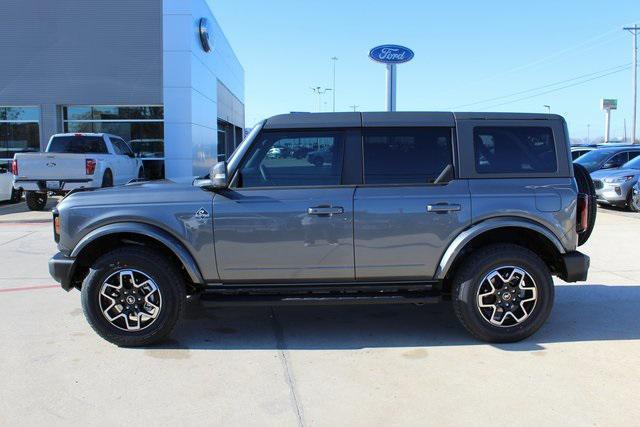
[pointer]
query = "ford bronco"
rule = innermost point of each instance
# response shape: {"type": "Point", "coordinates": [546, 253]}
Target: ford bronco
{"type": "Point", "coordinates": [402, 207]}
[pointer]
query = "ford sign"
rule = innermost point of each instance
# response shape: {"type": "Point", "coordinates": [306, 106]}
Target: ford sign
{"type": "Point", "coordinates": [391, 54]}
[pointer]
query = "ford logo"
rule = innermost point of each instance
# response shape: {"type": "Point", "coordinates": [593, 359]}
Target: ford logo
{"type": "Point", "coordinates": [391, 54]}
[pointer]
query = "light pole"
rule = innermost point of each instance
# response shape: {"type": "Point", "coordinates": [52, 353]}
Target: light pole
{"type": "Point", "coordinates": [334, 59]}
{"type": "Point", "coordinates": [354, 107]}
{"type": "Point", "coordinates": [588, 128]}
{"type": "Point", "coordinates": [634, 76]}
{"type": "Point", "coordinates": [548, 107]}
{"type": "Point", "coordinates": [319, 90]}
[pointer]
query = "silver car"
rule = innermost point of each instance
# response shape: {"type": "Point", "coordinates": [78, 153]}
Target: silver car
{"type": "Point", "coordinates": [615, 186]}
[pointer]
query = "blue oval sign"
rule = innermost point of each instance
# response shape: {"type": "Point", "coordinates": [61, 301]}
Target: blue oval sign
{"type": "Point", "coordinates": [391, 54]}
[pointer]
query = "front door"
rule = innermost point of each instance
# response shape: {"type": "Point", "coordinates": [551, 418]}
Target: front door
{"type": "Point", "coordinates": [287, 217]}
{"type": "Point", "coordinates": [411, 206]}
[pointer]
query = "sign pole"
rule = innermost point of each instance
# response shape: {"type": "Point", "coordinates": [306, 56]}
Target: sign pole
{"type": "Point", "coordinates": [607, 124]}
{"type": "Point", "coordinates": [391, 87]}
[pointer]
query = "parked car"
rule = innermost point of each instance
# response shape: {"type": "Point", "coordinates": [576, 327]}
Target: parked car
{"type": "Point", "coordinates": [7, 192]}
{"type": "Point", "coordinates": [320, 157]}
{"type": "Point", "coordinates": [608, 157]}
{"type": "Point", "coordinates": [615, 186]}
{"type": "Point", "coordinates": [395, 217]}
{"type": "Point", "coordinates": [635, 201]}
{"type": "Point", "coordinates": [74, 160]}
{"type": "Point", "coordinates": [579, 150]}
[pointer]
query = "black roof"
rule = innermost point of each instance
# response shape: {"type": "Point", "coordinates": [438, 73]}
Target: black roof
{"type": "Point", "coordinates": [395, 118]}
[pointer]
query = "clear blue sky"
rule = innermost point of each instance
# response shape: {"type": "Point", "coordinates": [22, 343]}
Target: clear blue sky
{"type": "Point", "coordinates": [465, 52]}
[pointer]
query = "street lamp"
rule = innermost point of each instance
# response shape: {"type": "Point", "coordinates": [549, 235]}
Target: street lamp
{"type": "Point", "coordinates": [319, 90]}
{"type": "Point", "coordinates": [548, 107]}
{"type": "Point", "coordinates": [334, 59]}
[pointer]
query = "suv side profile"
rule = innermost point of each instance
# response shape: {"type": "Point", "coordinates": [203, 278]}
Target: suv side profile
{"type": "Point", "coordinates": [405, 207]}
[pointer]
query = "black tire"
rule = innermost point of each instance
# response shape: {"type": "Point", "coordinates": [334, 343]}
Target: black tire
{"type": "Point", "coordinates": [16, 196]}
{"type": "Point", "coordinates": [170, 286]}
{"type": "Point", "coordinates": [585, 186]}
{"type": "Point", "coordinates": [633, 207]}
{"type": "Point", "coordinates": [469, 278]}
{"type": "Point", "coordinates": [36, 200]}
{"type": "Point", "coordinates": [317, 161]}
{"type": "Point", "coordinates": [107, 179]}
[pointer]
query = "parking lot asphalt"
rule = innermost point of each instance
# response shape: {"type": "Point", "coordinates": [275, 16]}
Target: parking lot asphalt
{"type": "Point", "coordinates": [346, 365]}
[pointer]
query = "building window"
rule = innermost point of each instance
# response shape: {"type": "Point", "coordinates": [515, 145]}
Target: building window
{"type": "Point", "coordinates": [142, 126]}
{"type": "Point", "coordinates": [19, 132]}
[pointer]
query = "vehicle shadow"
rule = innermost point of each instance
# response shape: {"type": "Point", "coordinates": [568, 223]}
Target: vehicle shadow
{"type": "Point", "coordinates": [581, 313]}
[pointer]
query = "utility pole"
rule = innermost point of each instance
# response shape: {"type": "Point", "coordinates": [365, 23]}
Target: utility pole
{"type": "Point", "coordinates": [334, 59]}
{"type": "Point", "coordinates": [634, 31]}
{"type": "Point", "coordinates": [354, 107]}
{"type": "Point", "coordinates": [319, 90]}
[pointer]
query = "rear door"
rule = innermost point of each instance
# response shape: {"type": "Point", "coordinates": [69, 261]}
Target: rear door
{"type": "Point", "coordinates": [288, 216]}
{"type": "Point", "coordinates": [404, 219]}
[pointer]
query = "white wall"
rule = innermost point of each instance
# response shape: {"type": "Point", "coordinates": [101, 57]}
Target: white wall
{"type": "Point", "coordinates": [190, 78]}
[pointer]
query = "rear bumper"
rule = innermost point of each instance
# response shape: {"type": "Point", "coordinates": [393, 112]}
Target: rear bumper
{"type": "Point", "coordinates": [575, 267]}
{"type": "Point", "coordinates": [53, 185]}
{"type": "Point", "coordinates": [61, 268]}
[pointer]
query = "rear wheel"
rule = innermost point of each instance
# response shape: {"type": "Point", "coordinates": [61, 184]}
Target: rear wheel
{"type": "Point", "coordinates": [585, 186]}
{"type": "Point", "coordinates": [503, 293]}
{"type": "Point", "coordinates": [36, 200]}
{"type": "Point", "coordinates": [133, 296]}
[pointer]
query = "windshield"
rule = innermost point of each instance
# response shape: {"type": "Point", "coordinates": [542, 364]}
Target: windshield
{"type": "Point", "coordinates": [632, 164]}
{"type": "Point", "coordinates": [593, 159]}
{"type": "Point", "coordinates": [78, 144]}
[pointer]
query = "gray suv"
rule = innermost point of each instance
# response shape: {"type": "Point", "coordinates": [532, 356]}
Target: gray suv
{"type": "Point", "coordinates": [478, 208]}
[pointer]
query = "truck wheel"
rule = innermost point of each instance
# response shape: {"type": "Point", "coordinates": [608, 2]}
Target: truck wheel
{"type": "Point", "coordinates": [16, 196]}
{"type": "Point", "coordinates": [107, 179]}
{"type": "Point", "coordinates": [36, 200]}
{"type": "Point", "coordinates": [502, 293]}
{"type": "Point", "coordinates": [133, 296]}
{"type": "Point", "coordinates": [585, 186]}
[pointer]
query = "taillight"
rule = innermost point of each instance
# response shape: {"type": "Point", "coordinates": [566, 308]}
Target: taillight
{"type": "Point", "coordinates": [14, 167]}
{"type": "Point", "coordinates": [582, 217]}
{"type": "Point", "coordinates": [90, 165]}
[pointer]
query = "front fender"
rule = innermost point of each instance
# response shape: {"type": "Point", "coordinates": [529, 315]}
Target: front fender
{"type": "Point", "coordinates": [146, 230]}
{"type": "Point", "coordinates": [469, 234]}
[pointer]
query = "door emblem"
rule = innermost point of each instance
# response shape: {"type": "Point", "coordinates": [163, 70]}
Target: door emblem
{"type": "Point", "coordinates": [50, 164]}
{"type": "Point", "coordinates": [202, 213]}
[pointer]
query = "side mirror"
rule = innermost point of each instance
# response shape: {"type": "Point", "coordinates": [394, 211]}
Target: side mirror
{"type": "Point", "coordinates": [609, 165]}
{"type": "Point", "coordinates": [218, 175]}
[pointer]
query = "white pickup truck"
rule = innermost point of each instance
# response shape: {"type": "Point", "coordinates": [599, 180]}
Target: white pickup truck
{"type": "Point", "coordinates": [71, 161]}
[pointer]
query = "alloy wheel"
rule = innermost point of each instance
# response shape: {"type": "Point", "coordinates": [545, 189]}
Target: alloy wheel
{"type": "Point", "coordinates": [130, 300]}
{"type": "Point", "coordinates": [507, 296]}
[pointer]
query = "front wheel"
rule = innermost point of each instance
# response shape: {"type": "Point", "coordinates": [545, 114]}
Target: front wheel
{"type": "Point", "coordinates": [133, 296]}
{"type": "Point", "coordinates": [633, 201]}
{"type": "Point", "coordinates": [36, 200]}
{"type": "Point", "coordinates": [503, 293]}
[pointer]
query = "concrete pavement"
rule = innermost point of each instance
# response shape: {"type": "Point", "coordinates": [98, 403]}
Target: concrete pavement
{"type": "Point", "coordinates": [375, 365]}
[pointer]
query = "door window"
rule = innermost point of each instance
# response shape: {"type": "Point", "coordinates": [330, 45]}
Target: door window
{"type": "Point", "coordinates": [514, 149]}
{"type": "Point", "coordinates": [305, 158]}
{"type": "Point", "coordinates": [406, 155]}
{"type": "Point", "coordinates": [617, 160]}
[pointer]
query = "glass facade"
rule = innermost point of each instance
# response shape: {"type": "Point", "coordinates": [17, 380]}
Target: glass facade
{"type": "Point", "coordinates": [19, 131]}
{"type": "Point", "coordinates": [229, 137]}
{"type": "Point", "coordinates": [141, 126]}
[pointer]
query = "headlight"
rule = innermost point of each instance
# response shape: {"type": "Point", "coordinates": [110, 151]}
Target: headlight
{"type": "Point", "coordinates": [618, 179]}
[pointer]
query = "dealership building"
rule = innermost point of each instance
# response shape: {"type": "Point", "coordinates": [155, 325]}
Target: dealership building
{"type": "Point", "coordinates": [159, 73]}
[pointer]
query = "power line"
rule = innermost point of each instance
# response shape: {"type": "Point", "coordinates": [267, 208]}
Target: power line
{"type": "Point", "coordinates": [557, 89]}
{"type": "Point", "coordinates": [622, 66]}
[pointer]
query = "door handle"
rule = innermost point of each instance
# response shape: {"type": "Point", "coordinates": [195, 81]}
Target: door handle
{"type": "Point", "coordinates": [326, 210]}
{"type": "Point", "coordinates": [443, 208]}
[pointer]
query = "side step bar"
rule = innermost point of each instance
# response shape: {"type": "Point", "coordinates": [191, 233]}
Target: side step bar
{"type": "Point", "coordinates": [311, 298]}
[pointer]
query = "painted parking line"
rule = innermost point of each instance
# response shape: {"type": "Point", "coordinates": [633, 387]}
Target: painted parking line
{"type": "Point", "coordinates": [28, 288]}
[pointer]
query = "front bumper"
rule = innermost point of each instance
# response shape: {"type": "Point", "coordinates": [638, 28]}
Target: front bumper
{"type": "Point", "coordinates": [575, 266]}
{"type": "Point", "coordinates": [613, 193]}
{"type": "Point", "coordinates": [61, 268]}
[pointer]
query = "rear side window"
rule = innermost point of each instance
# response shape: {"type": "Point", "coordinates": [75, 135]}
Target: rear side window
{"type": "Point", "coordinates": [514, 149]}
{"type": "Point", "coordinates": [406, 155]}
{"type": "Point", "coordinates": [79, 144]}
